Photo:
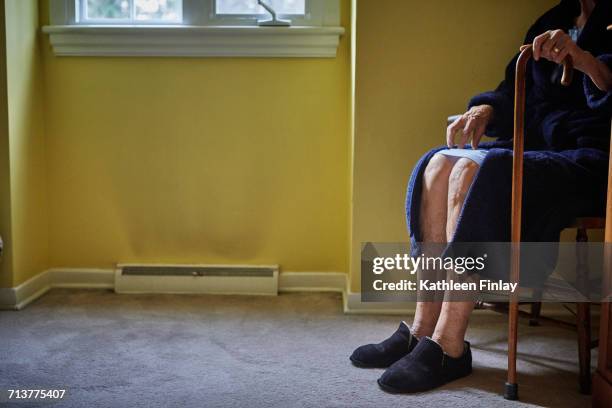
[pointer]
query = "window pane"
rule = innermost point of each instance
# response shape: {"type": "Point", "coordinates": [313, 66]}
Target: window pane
{"type": "Point", "coordinates": [165, 10]}
{"type": "Point", "coordinates": [251, 6]}
{"type": "Point", "coordinates": [108, 9]}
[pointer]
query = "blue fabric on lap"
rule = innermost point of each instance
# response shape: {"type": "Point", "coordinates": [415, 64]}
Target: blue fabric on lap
{"type": "Point", "coordinates": [558, 187]}
{"type": "Point", "coordinates": [477, 156]}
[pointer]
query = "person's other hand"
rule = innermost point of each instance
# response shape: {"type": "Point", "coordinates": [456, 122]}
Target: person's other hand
{"type": "Point", "coordinates": [555, 45]}
{"type": "Point", "coordinates": [471, 126]}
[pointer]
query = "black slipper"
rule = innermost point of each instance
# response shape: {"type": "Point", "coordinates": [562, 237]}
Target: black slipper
{"type": "Point", "coordinates": [426, 368]}
{"type": "Point", "coordinates": [387, 352]}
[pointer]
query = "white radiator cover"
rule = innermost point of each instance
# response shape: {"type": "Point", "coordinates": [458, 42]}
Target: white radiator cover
{"type": "Point", "coordinates": [204, 279]}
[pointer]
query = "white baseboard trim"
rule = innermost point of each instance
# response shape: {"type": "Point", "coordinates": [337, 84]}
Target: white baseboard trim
{"type": "Point", "coordinates": [84, 278]}
{"type": "Point", "coordinates": [7, 299]}
{"type": "Point", "coordinates": [28, 291]}
{"type": "Point", "coordinates": [20, 296]}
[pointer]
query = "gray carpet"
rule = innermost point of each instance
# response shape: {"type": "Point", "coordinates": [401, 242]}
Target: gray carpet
{"type": "Point", "coordinates": [288, 351]}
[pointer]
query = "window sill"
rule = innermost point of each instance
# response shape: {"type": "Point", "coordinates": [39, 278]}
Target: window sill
{"type": "Point", "coordinates": [194, 41]}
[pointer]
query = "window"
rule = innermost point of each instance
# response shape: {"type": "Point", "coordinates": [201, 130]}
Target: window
{"type": "Point", "coordinates": [194, 28]}
{"type": "Point", "coordinates": [250, 7]}
{"type": "Point", "coordinates": [248, 12]}
{"type": "Point", "coordinates": [196, 12]}
{"type": "Point", "coordinates": [131, 11]}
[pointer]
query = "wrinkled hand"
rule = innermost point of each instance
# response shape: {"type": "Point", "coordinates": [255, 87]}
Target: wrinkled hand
{"type": "Point", "coordinates": [555, 45]}
{"type": "Point", "coordinates": [470, 126]}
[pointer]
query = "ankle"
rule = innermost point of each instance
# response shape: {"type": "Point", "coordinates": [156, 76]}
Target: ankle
{"type": "Point", "coordinates": [419, 331]}
{"type": "Point", "coordinates": [452, 347]}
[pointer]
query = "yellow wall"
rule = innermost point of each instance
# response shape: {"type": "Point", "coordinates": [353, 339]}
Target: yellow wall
{"type": "Point", "coordinates": [198, 160]}
{"type": "Point", "coordinates": [177, 160]}
{"type": "Point", "coordinates": [417, 63]}
{"type": "Point", "coordinates": [6, 277]}
{"type": "Point", "coordinates": [29, 226]}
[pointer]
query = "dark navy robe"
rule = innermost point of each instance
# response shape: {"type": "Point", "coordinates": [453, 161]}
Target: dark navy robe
{"type": "Point", "coordinates": [567, 140]}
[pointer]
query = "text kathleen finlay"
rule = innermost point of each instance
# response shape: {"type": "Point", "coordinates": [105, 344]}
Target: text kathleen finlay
{"type": "Point", "coordinates": [450, 285]}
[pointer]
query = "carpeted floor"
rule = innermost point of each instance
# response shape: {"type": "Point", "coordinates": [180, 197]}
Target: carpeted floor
{"type": "Point", "coordinates": [113, 350]}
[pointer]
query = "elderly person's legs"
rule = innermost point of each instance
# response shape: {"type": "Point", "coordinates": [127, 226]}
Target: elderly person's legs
{"type": "Point", "coordinates": [445, 356]}
{"type": "Point", "coordinates": [446, 182]}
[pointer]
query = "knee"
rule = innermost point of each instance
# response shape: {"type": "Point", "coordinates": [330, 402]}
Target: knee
{"type": "Point", "coordinates": [459, 181]}
{"type": "Point", "coordinates": [437, 171]}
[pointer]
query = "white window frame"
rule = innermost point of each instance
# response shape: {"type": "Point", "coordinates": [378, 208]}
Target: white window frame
{"type": "Point", "coordinates": [202, 33]}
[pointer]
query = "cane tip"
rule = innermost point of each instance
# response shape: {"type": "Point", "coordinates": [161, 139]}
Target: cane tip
{"type": "Point", "coordinates": [511, 391]}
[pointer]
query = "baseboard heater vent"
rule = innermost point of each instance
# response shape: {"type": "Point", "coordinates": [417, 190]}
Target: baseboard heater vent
{"type": "Point", "coordinates": [214, 279]}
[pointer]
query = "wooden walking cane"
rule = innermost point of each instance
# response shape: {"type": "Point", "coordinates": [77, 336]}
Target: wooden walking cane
{"type": "Point", "coordinates": [511, 388]}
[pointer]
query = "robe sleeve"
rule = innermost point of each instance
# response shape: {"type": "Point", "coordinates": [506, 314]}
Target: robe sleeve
{"type": "Point", "coordinates": [502, 98]}
{"type": "Point", "coordinates": [502, 101]}
{"type": "Point", "coordinates": [596, 98]}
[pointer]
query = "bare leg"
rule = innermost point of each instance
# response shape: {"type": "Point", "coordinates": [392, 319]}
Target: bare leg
{"type": "Point", "coordinates": [459, 183]}
{"type": "Point", "coordinates": [453, 321]}
{"type": "Point", "coordinates": [451, 327]}
{"type": "Point", "coordinates": [433, 229]}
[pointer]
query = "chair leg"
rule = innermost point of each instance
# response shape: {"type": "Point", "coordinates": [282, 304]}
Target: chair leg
{"type": "Point", "coordinates": [511, 387]}
{"type": "Point", "coordinates": [583, 313]}
{"type": "Point", "coordinates": [583, 323]}
{"type": "Point", "coordinates": [536, 309]}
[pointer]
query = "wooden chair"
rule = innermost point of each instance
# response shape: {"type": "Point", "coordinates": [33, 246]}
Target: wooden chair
{"type": "Point", "coordinates": [602, 379]}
